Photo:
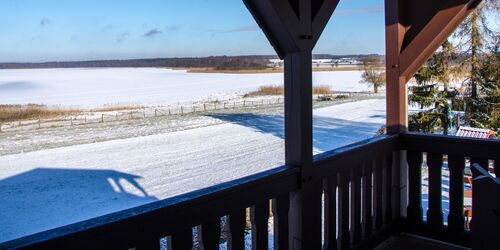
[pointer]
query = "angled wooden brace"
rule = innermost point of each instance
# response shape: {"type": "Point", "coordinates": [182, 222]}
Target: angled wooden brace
{"type": "Point", "coordinates": [414, 31]}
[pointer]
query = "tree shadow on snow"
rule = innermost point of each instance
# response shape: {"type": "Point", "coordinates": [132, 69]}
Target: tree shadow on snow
{"type": "Point", "coordinates": [328, 133]}
{"type": "Point", "coordinates": [46, 198]}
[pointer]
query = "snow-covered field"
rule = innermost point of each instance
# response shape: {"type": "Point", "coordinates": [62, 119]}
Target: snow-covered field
{"type": "Point", "coordinates": [95, 87]}
{"type": "Point", "coordinates": [54, 187]}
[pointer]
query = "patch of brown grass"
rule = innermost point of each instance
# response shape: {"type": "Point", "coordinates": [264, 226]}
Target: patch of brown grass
{"type": "Point", "coordinates": [118, 108]}
{"type": "Point", "coordinates": [30, 111]}
{"type": "Point", "coordinates": [280, 90]}
{"type": "Point", "coordinates": [272, 70]}
{"type": "Point", "coordinates": [322, 90]}
{"type": "Point", "coordinates": [267, 90]}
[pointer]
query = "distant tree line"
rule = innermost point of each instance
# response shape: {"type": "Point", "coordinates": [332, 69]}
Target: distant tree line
{"type": "Point", "coordinates": [216, 62]}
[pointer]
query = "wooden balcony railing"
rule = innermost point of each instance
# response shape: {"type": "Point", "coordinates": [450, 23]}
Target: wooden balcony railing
{"type": "Point", "coordinates": [460, 153]}
{"type": "Point", "coordinates": [359, 192]}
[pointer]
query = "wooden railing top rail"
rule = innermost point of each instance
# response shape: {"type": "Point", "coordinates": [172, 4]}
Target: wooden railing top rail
{"type": "Point", "coordinates": [162, 217]}
{"type": "Point", "coordinates": [353, 155]}
{"type": "Point", "coordinates": [451, 145]}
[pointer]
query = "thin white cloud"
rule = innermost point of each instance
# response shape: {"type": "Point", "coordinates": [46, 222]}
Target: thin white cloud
{"type": "Point", "coordinates": [45, 21]}
{"type": "Point", "coordinates": [122, 37]}
{"type": "Point", "coordinates": [364, 10]}
{"type": "Point", "coordinates": [152, 32]}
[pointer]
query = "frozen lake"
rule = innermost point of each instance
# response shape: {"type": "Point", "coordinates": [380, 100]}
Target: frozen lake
{"type": "Point", "coordinates": [95, 87]}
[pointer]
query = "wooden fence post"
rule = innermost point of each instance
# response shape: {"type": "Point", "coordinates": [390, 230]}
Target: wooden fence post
{"type": "Point", "coordinates": [102, 118]}
{"type": "Point", "coordinates": [71, 120]}
{"type": "Point", "coordinates": [39, 123]}
{"type": "Point", "coordinates": [169, 112]}
{"type": "Point", "coordinates": [204, 107]}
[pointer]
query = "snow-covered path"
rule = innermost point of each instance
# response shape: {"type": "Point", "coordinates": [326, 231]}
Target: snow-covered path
{"type": "Point", "coordinates": [55, 187]}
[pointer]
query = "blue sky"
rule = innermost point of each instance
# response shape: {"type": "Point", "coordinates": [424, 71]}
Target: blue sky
{"type": "Point", "coordinates": [46, 30]}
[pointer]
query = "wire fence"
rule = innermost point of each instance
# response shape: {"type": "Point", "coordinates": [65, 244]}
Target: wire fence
{"type": "Point", "coordinates": [140, 113]}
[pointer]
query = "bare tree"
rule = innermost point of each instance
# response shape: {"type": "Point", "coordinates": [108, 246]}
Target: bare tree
{"type": "Point", "coordinates": [373, 77]}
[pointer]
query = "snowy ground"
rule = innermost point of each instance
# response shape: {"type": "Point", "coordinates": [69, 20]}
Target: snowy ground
{"type": "Point", "coordinates": [96, 87]}
{"type": "Point", "coordinates": [48, 188]}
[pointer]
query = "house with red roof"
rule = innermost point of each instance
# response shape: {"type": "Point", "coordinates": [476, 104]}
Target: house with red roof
{"type": "Point", "coordinates": [479, 133]}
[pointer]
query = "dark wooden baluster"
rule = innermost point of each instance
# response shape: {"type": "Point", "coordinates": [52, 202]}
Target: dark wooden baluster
{"type": "Point", "coordinates": [367, 199]}
{"type": "Point", "coordinates": [388, 188]}
{"type": "Point", "coordinates": [456, 166]}
{"type": "Point", "coordinates": [343, 189]}
{"type": "Point", "coordinates": [148, 244]}
{"type": "Point", "coordinates": [209, 235]}
{"type": "Point", "coordinates": [281, 206]}
{"type": "Point", "coordinates": [181, 239]}
{"type": "Point", "coordinates": [236, 230]}
{"type": "Point", "coordinates": [435, 214]}
{"type": "Point", "coordinates": [259, 215]}
{"type": "Point", "coordinates": [356, 204]}
{"type": "Point", "coordinates": [414, 212]}
{"type": "Point", "coordinates": [377, 192]}
{"type": "Point", "coordinates": [330, 187]}
{"type": "Point", "coordinates": [496, 166]}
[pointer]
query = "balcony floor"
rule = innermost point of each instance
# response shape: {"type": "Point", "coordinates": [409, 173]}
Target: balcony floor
{"type": "Point", "coordinates": [411, 242]}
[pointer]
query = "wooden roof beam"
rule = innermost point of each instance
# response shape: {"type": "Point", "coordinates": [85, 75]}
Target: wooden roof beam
{"type": "Point", "coordinates": [432, 35]}
{"type": "Point", "coordinates": [292, 25]}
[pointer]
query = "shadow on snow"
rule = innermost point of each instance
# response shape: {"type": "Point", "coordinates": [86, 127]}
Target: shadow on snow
{"type": "Point", "coordinates": [59, 197]}
{"type": "Point", "coordinates": [328, 133]}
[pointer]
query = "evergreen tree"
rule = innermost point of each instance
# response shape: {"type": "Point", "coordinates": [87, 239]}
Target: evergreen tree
{"type": "Point", "coordinates": [427, 95]}
{"type": "Point", "coordinates": [474, 33]}
{"type": "Point", "coordinates": [488, 100]}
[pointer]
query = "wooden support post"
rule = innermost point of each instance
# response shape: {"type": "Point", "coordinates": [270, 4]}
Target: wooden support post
{"type": "Point", "coordinates": [204, 107]}
{"type": "Point", "coordinates": [396, 101]}
{"type": "Point", "coordinates": [305, 204]}
{"type": "Point", "coordinates": [293, 28]}
{"type": "Point", "coordinates": [102, 118]}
